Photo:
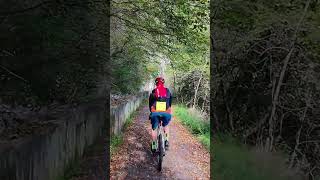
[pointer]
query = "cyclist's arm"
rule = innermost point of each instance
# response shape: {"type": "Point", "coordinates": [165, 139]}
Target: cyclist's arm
{"type": "Point", "coordinates": [151, 101]}
{"type": "Point", "coordinates": [170, 102]}
{"type": "Point", "coordinates": [150, 104]}
{"type": "Point", "coordinates": [170, 99]}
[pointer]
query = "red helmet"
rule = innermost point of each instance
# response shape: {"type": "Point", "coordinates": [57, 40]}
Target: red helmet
{"type": "Point", "coordinates": [159, 79]}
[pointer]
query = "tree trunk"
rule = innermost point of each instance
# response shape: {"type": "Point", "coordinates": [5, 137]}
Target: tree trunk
{"type": "Point", "coordinates": [275, 99]}
{"type": "Point", "coordinates": [196, 92]}
{"type": "Point", "coordinates": [286, 60]}
{"type": "Point", "coordinates": [174, 77]}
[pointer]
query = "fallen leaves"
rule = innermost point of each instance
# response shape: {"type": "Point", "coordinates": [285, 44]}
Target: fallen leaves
{"type": "Point", "coordinates": [186, 158]}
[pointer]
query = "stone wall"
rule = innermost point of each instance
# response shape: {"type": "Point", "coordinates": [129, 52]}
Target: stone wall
{"type": "Point", "coordinates": [120, 113]}
{"type": "Point", "coordinates": [46, 156]}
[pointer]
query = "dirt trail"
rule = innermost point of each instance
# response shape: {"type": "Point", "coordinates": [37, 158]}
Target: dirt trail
{"type": "Point", "coordinates": [186, 158]}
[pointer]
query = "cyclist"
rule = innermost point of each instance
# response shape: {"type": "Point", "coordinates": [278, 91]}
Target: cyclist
{"type": "Point", "coordinates": [160, 105]}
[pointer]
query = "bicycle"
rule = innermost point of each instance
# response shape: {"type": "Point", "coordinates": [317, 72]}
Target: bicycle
{"type": "Point", "coordinates": [161, 147]}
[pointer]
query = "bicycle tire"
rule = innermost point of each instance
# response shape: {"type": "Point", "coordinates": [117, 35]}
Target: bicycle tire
{"type": "Point", "coordinates": [160, 154]}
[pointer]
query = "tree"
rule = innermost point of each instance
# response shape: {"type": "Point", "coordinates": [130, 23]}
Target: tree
{"type": "Point", "coordinates": [176, 30]}
{"type": "Point", "coordinates": [265, 66]}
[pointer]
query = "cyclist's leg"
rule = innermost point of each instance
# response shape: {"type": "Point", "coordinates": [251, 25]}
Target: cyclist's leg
{"type": "Point", "coordinates": [154, 122]}
{"type": "Point", "coordinates": [165, 122]}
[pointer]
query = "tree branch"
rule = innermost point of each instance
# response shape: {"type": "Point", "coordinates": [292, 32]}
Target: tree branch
{"type": "Point", "coordinates": [12, 73]}
{"type": "Point", "coordinates": [140, 27]}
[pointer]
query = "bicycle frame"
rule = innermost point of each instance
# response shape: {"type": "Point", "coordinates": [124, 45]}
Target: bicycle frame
{"type": "Point", "coordinates": [160, 142]}
{"type": "Point", "coordinates": [160, 132]}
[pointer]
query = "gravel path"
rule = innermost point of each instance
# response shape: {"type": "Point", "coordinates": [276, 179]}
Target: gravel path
{"type": "Point", "coordinates": [186, 158]}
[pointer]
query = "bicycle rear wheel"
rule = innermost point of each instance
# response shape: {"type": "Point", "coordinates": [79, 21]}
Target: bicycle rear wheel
{"type": "Point", "coordinates": [160, 154]}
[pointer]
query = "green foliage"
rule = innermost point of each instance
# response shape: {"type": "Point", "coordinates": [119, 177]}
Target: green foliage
{"type": "Point", "coordinates": [205, 140]}
{"type": "Point", "coordinates": [178, 30]}
{"type": "Point", "coordinates": [189, 61]}
{"type": "Point", "coordinates": [130, 66]}
{"type": "Point", "coordinates": [197, 126]}
{"type": "Point", "coordinates": [116, 141]}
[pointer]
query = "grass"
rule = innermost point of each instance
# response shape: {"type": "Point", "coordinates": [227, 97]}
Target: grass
{"type": "Point", "coordinates": [129, 121]}
{"type": "Point", "coordinates": [197, 126]}
{"type": "Point", "coordinates": [234, 161]}
{"type": "Point", "coordinates": [116, 141]}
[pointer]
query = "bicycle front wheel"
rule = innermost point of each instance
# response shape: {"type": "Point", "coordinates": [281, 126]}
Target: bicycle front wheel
{"type": "Point", "coordinates": [160, 155]}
